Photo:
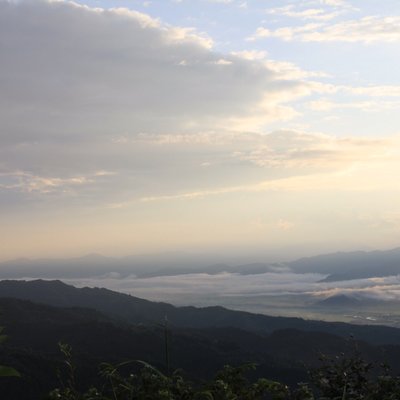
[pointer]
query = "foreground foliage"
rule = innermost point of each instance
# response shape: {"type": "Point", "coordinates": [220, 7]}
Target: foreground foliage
{"type": "Point", "coordinates": [339, 378]}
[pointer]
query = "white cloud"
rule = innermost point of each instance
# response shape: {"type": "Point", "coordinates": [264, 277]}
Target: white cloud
{"type": "Point", "coordinates": [373, 90]}
{"type": "Point", "coordinates": [334, 3]}
{"type": "Point", "coordinates": [309, 13]}
{"type": "Point", "coordinates": [133, 78]}
{"type": "Point", "coordinates": [224, 284]}
{"type": "Point", "coordinates": [369, 29]}
{"type": "Point", "coordinates": [220, 287]}
{"type": "Point", "coordinates": [292, 71]}
{"type": "Point", "coordinates": [81, 85]}
{"type": "Point", "coordinates": [23, 181]}
{"type": "Point", "coordinates": [366, 91]}
{"type": "Point", "coordinates": [291, 149]}
{"type": "Point", "coordinates": [85, 91]}
{"type": "Point", "coordinates": [285, 225]}
{"type": "Point", "coordinates": [305, 162]}
{"type": "Point", "coordinates": [366, 105]}
{"type": "Point", "coordinates": [286, 33]}
{"type": "Point", "coordinates": [222, 61]}
{"type": "Point", "coordinates": [251, 54]}
{"type": "Point", "coordinates": [117, 69]}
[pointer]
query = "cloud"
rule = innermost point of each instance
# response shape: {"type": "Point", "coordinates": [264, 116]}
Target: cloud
{"type": "Point", "coordinates": [222, 287]}
{"type": "Point", "coordinates": [201, 284]}
{"type": "Point", "coordinates": [293, 149]}
{"type": "Point", "coordinates": [26, 182]}
{"type": "Point", "coordinates": [319, 14]}
{"type": "Point", "coordinates": [125, 69]}
{"type": "Point", "coordinates": [367, 30]}
{"type": "Point", "coordinates": [373, 90]}
{"type": "Point", "coordinates": [366, 105]}
{"type": "Point", "coordinates": [366, 91]}
{"type": "Point", "coordinates": [334, 3]}
{"type": "Point", "coordinates": [302, 162]}
{"type": "Point", "coordinates": [332, 182]}
{"type": "Point", "coordinates": [386, 288]}
{"type": "Point", "coordinates": [285, 33]}
{"type": "Point", "coordinates": [285, 225]}
{"type": "Point", "coordinates": [251, 54]}
{"type": "Point", "coordinates": [81, 84]}
{"type": "Point", "coordinates": [220, 1]}
{"type": "Point", "coordinates": [371, 99]}
{"type": "Point", "coordinates": [209, 1]}
{"type": "Point", "coordinates": [113, 120]}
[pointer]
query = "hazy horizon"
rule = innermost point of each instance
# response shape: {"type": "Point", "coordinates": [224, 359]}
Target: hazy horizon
{"type": "Point", "coordinates": [229, 255]}
{"type": "Point", "coordinates": [362, 287]}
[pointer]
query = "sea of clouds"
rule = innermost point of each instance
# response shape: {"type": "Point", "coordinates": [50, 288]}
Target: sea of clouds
{"type": "Point", "coordinates": [203, 288]}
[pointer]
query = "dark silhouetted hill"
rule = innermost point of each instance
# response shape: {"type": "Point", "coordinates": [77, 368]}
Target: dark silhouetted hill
{"type": "Point", "coordinates": [35, 329]}
{"type": "Point", "coordinates": [133, 310]}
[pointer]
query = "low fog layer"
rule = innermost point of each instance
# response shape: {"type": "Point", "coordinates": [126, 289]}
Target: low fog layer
{"type": "Point", "coordinates": [226, 284]}
{"type": "Point", "coordinates": [192, 279]}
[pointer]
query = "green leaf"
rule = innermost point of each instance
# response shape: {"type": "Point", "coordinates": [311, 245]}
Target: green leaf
{"type": "Point", "coordinates": [8, 371]}
{"type": "Point", "coordinates": [3, 338]}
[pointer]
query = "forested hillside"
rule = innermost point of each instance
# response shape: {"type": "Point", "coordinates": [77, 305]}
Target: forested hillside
{"type": "Point", "coordinates": [113, 328]}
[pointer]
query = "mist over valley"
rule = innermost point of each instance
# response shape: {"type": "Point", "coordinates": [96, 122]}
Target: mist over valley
{"type": "Point", "coordinates": [367, 290]}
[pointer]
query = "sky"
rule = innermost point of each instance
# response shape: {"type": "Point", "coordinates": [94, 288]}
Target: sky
{"type": "Point", "coordinates": [267, 128]}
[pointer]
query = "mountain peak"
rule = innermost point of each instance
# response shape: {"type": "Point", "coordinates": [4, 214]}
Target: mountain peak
{"type": "Point", "coordinates": [340, 300]}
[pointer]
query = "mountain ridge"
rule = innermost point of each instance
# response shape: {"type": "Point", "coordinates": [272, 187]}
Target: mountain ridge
{"type": "Point", "coordinates": [133, 310]}
{"type": "Point", "coordinates": [336, 266]}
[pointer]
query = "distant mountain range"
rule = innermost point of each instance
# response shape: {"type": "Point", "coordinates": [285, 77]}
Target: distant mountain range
{"type": "Point", "coordinates": [348, 302]}
{"type": "Point", "coordinates": [340, 301]}
{"type": "Point", "coordinates": [353, 265]}
{"type": "Point", "coordinates": [336, 266]}
{"type": "Point", "coordinates": [141, 266]}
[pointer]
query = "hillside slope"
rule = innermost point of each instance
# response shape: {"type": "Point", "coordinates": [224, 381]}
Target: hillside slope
{"type": "Point", "coordinates": [133, 310]}
{"type": "Point", "coordinates": [35, 329]}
